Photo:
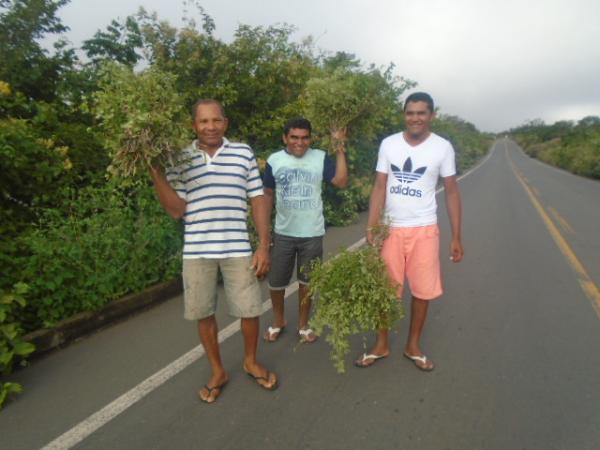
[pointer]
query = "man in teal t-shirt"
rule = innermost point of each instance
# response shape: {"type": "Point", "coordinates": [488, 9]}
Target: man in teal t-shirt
{"type": "Point", "coordinates": [296, 175]}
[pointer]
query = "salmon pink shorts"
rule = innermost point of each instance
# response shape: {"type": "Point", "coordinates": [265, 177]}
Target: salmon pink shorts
{"type": "Point", "coordinates": [413, 253]}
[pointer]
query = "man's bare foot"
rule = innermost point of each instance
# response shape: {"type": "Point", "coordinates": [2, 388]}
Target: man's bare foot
{"type": "Point", "coordinates": [420, 361]}
{"type": "Point", "coordinates": [212, 390]}
{"type": "Point", "coordinates": [307, 335]}
{"type": "Point", "coordinates": [273, 332]}
{"type": "Point", "coordinates": [368, 359]}
{"type": "Point", "coordinates": [265, 379]}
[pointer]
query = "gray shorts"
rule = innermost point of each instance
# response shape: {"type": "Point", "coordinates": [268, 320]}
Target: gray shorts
{"type": "Point", "coordinates": [289, 250]}
{"type": "Point", "coordinates": [242, 290]}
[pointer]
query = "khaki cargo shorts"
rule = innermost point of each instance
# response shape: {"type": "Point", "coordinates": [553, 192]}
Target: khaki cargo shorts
{"type": "Point", "coordinates": [242, 291]}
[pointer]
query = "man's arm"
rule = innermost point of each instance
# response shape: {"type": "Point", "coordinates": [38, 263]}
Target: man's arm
{"type": "Point", "coordinates": [262, 220]}
{"type": "Point", "coordinates": [376, 204]}
{"type": "Point", "coordinates": [454, 208]}
{"type": "Point", "coordinates": [269, 202]}
{"type": "Point", "coordinates": [168, 198]}
{"type": "Point", "coordinates": [340, 179]}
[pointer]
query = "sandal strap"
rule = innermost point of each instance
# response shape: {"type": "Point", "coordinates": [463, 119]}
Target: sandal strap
{"type": "Point", "coordinates": [370, 356]}
{"type": "Point", "coordinates": [421, 359]}
{"type": "Point", "coordinates": [263, 378]}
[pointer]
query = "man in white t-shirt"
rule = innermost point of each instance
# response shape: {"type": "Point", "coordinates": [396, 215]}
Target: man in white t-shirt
{"type": "Point", "coordinates": [408, 168]}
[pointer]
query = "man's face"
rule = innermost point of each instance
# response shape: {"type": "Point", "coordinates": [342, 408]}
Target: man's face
{"type": "Point", "coordinates": [297, 141]}
{"type": "Point", "coordinates": [210, 125]}
{"type": "Point", "coordinates": [418, 118]}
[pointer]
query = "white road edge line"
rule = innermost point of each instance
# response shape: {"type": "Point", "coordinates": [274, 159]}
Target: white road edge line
{"type": "Point", "coordinates": [100, 418]}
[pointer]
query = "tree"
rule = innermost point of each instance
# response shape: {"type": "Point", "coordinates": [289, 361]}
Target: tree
{"type": "Point", "coordinates": [589, 122]}
{"type": "Point", "coordinates": [120, 43]}
{"type": "Point", "coordinates": [26, 66]}
{"type": "Point", "coordinates": [341, 60]}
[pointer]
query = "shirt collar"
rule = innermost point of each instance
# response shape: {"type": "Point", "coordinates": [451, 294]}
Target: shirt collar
{"type": "Point", "coordinates": [285, 149]}
{"type": "Point", "coordinates": [207, 157]}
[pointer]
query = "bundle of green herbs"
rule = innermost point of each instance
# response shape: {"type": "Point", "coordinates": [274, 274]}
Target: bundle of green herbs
{"type": "Point", "coordinates": [142, 118]}
{"type": "Point", "coordinates": [353, 294]}
{"type": "Point", "coordinates": [338, 102]}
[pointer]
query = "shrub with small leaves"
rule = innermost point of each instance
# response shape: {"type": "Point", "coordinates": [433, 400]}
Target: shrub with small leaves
{"type": "Point", "coordinates": [12, 346]}
{"type": "Point", "coordinates": [142, 116]}
{"type": "Point", "coordinates": [112, 241]}
{"type": "Point", "coordinates": [353, 294]}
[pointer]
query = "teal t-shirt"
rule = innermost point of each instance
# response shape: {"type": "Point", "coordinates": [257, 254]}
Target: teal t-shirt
{"type": "Point", "coordinates": [297, 183]}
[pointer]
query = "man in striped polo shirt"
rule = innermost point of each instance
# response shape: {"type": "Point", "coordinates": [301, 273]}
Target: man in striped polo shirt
{"type": "Point", "coordinates": [208, 189]}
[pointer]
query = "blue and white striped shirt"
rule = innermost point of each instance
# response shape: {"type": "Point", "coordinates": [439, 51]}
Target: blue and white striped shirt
{"type": "Point", "coordinates": [216, 190]}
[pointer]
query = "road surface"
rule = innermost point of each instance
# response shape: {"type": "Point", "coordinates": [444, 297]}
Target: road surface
{"type": "Point", "coordinates": [515, 339]}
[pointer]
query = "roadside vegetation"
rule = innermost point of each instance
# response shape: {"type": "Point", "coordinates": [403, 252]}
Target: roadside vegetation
{"type": "Point", "coordinates": [573, 146]}
{"type": "Point", "coordinates": [79, 231]}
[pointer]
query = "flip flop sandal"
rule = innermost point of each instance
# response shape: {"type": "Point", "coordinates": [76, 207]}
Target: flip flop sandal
{"type": "Point", "coordinates": [273, 333]}
{"type": "Point", "coordinates": [367, 357]}
{"type": "Point", "coordinates": [305, 334]}
{"type": "Point", "coordinates": [266, 379]}
{"type": "Point", "coordinates": [422, 360]}
{"type": "Point", "coordinates": [210, 389]}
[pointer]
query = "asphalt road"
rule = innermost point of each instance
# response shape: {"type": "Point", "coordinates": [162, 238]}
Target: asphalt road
{"type": "Point", "coordinates": [515, 340]}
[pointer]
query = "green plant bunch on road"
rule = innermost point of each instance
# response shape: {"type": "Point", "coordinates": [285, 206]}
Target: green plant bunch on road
{"type": "Point", "coordinates": [142, 117]}
{"type": "Point", "coordinates": [353, 294]}
{"type": "Point", "coordinates": [12, 347]}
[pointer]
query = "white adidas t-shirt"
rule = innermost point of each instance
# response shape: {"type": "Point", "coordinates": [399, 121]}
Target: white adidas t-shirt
{"type": "Point", "coordinates": [413, 173]}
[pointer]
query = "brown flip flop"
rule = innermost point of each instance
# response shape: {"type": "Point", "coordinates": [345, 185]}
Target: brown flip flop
{"type": "Point", "coordinates": [210, 389]}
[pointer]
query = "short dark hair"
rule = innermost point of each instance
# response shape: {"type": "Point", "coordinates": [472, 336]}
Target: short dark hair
{"type": "Point", "coordinates": [297, 122]}
{"type": "Point", "coordinates": [207, 101]}
{"type": "Point", "coordinates": [419, 97]}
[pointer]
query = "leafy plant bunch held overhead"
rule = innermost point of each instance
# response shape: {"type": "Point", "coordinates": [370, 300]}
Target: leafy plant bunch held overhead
{"type": "Point", "coordinates": [143, 118]}
{"type": "Point", "coordinates": [353, 294]}
{"type": "Point", "coordinates": [335, 101]}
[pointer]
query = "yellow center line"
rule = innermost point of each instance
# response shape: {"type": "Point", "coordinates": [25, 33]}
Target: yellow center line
{"type": "Point", "coordinates": [587, 285]}
{"type": "Point", "coordinates": [561, 220]}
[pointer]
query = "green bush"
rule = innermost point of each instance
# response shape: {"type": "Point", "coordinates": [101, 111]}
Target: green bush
{"type": "Point", "coordinates": [575, 148]}
{"type": "Point", "coordinates": [111, 242]}
{"type": "Point", "coordinates": [587, 161]}
{"type": "Point", "coordinates": [12, 347]}
{"type": "Point", "coordinates": [469, 144]}
{"type": "Point", "coordinates": [32, 171]}
{"type": "Point", "coordinates": [341, 206]}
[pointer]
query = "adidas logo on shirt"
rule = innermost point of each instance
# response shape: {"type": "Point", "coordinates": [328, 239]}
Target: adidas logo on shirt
{"type": "Point", "coordinates": [406, 176]}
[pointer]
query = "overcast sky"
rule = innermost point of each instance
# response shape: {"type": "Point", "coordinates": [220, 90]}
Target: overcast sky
{"type": "Point", "coordinates": [496, 64]}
